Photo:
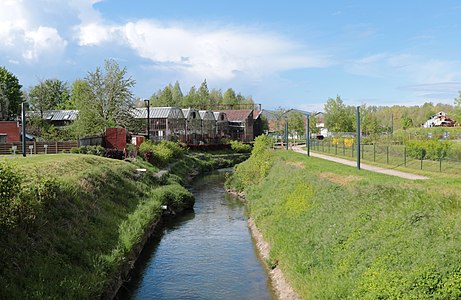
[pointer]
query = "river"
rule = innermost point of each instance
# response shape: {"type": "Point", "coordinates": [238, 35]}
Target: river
{"type": "Point", "coordinates": [204, 254]}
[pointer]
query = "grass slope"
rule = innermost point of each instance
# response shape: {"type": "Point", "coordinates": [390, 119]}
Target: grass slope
{"type": "Point", "coordinates": [340, 233]}
{"type": "Point", "coordinates": [86, 231]}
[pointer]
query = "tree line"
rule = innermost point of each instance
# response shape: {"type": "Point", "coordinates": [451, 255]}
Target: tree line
{"type": "Point", "coordinates": [104, 98]}
{"type": "Point", "coordinates": [339, 117]}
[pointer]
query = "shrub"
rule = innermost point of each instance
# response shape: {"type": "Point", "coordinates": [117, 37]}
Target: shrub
{"type": "Point", "coordinates": [160, 154]}
{"type": "Point", "coordinates": [255, 168]}
{"type": "Point", "coordinates": [428, 149]}
{"type": "Point", "coordinates": [240, 147]}
{"type": "Point", "coordinates": [10, 186]}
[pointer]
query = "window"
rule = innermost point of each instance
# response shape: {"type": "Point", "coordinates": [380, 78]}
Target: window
{"type": "Point", "coordinates": [2, 138]}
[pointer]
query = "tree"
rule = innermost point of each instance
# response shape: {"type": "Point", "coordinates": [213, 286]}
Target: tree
{"type": "Point", "coordinates": [162, 98]}
{"type": "Point", "coordinates": [191, 99]}
{"type": "Point", "coordinates": [230, 98]}
{"type": "Point", "coordinates": [50, 94]}
{"type": "Point", "coordinates": [296, 124]}
{"type": "Point", "coordinates": [10, 95]}
{"type": "Point", "coordinates": [407, 122]}
{"type": "Point", "coordinates": [215, 98]}
{"type": "Point", "coordinates": [338, 116]}
{"type": "Point", "coordinates": [176, 94]}
{"type": "Point", "coordinates": [104, 99]}
{"type": "Point", "coordinates": [203, 95]}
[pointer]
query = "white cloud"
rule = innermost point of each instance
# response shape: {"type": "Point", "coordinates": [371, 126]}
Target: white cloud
{"type": "Point", "coordinates": [21, 31]}
{"type": "Point", "coordinates": [206, 52]}
{"type": "Point", "coordinates": [43, 40]}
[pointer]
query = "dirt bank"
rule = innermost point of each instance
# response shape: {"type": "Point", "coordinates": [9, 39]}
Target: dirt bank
{"type": "Point", "coordinates": [281, 287]}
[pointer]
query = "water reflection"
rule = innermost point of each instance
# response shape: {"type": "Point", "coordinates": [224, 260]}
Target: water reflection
{"type": "Point", "coordinates": [205, 254]}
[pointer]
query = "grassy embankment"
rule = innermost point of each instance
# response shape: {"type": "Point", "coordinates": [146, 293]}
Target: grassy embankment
{"type": "Point", "coordinates": [70, 224]}
{"type": "Point", "coordinates": [340, 233]}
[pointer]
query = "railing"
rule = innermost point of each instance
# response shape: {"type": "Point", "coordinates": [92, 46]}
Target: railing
{"type": "Point", "coordinates": [51, 147]}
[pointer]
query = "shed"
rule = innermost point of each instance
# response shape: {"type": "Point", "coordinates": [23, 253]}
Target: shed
{"type": "Point", "coordinates": [222, 124]}
{"type": "Point", "coordinates": [208, 126]}
{"type": "Point", "coordinates": [165, 123]}
{"type": "Point", "coordinates": [193, 126]}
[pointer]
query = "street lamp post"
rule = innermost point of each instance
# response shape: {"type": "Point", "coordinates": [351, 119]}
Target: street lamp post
{"type": "Point", "coordinates": [308, 135]}
{"type": "Point", "coordinates": [147, 103]}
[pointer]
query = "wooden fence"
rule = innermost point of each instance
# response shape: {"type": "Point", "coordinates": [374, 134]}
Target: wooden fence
{"type": "Point", "coordinates": [38, 147]}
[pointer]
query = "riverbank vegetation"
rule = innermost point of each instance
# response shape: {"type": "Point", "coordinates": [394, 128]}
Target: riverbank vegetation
{"type": "Point", "coordinates": [340, 233]}
{"type": "Point", "coordinates": [70, 222]}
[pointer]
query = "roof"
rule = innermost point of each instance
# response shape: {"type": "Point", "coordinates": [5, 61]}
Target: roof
{"type": "Point", "coordinates": [237, 115]}
{"type": "Point", "coordinates": [220, 116]}
{"type": "Point", "coordinates": [158, 113]}
{"type": "Point", "coordinates": [207, 115]}
{"type": "Point", "coordinates": [55, 115]}
{"type": "Point", "coordinates": [187, 111]}
{"type": "Point", "coordinates": [257, 114]}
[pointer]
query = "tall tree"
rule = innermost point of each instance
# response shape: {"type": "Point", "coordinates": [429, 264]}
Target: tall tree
{"type": "Point", "coordinates": [104, 99]}
{"type": "Point", "coordinates": [191, 99]}
{"type": "Point", "coordinates": [10, 95]}
{"type": "Point", "coordinates": [50, 94]}
{"type": "Point", "coordinates": [176, 94]}
{"type": "Point", "coordinates": [338, 116]}
{"type": "Point", "coordinates": [230, 98]}
{"type": "Point", "coordinates": [203, 95]}
{"type": "Point", "coordinates": [215, 98]}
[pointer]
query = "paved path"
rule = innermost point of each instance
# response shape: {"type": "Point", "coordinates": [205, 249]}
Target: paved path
{"type": "Point", "coordinates": [362, 166]}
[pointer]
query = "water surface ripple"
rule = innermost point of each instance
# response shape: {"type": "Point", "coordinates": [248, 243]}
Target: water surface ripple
{"type": "Point", "coordinates": [205, 254]}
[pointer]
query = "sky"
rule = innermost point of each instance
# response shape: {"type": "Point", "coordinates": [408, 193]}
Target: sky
{"type": "Point", "coordinates": [289, 54]}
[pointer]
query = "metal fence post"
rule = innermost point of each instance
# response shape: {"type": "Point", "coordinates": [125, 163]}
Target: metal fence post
{"type": "Point", "coordinates": [374, 151]}
{"type": "Point", "coordinates": [405, 156]}
{"type": "Point", "coordinates": [440, 160]}
{"type": "Point", "coordinates": [422, 155]}
{"type": "Point", "coordinates": [387, 154]}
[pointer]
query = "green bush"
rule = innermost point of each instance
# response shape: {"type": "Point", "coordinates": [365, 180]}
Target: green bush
{"type": "Point", "coordinates": [428, 149]}
{"type": "Point", "coordinates": [162, 153]}
{"type": "Point", "coordinates": [240, 147]}
{"type": "Point", "coordinates": [255, 168]}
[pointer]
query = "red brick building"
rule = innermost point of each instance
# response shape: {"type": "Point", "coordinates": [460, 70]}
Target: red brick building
{"type": "Point", "coordinates": [9, 132]}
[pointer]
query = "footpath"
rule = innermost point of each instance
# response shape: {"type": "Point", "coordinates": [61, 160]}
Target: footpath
{"type": "Point", "coordinates": [362, 166]}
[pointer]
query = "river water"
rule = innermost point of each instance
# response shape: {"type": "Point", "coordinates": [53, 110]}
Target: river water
{"type": "Point", "coordinates": [204, 254]}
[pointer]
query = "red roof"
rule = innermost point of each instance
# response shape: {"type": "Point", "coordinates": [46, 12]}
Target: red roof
{"type": "Point", "coordinates": [256, 114]}
{"type": "Point", "coordinates": [237, 115]}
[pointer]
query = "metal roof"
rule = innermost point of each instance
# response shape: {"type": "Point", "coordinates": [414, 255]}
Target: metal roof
{"type": "Point", "coordinates": [207, 115]}
{"type": "Point", "coordinates": [55, 115]}
{"type": "Point", "coordinates": [158, 113]}
{"type": "Point", "coordinates": [220, 116]}
{"type": "Point", "coordinates": [187, 111]}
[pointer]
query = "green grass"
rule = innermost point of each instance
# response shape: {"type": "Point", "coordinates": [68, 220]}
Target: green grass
{"type": "Point", "coordinates": [83, 235]}
{"type": "Point", "coordinates": [341, 233]}
{"type": "Point", "coordinates": [391, 157]}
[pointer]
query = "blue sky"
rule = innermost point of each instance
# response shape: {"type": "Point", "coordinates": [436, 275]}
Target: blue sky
{"type": "Point", "coordinates": [293, 54]}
